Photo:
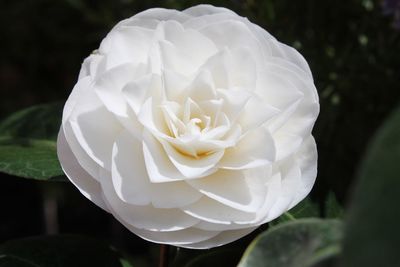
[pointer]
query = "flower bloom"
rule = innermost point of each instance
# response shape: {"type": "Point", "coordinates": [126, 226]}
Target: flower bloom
{"type": "Point", "coordinates": [192, 128]}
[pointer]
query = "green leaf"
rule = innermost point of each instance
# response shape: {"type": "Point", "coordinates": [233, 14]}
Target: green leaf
{"type": "Point", "coordinates": [305, 209]}
{"type": "Point", "coordinates": [58, 251]}
{"type": "Point", "coordinates": [332, 207]}
{"type": "Point", "coordinates": [38, 122]}
{"type": "Point", "coordinates": [304, 242]}
{"type": "Point", "coordinates": [372, 235]}
{"type": "Point", "coordinates": [28, 143]}
{"type": "Point", "coordinates": [29, 158]}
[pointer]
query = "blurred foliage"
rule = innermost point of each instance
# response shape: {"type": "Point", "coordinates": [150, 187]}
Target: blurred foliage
{"type": "Point", "coordinates": [60, 251]}
{"type": "Point", "coordinates": [305, 242]}
{"type": "Point", "coordinates": [351, 46]}
{"type": "Point", "coordinates": [372, 234]}
{"type": "Point", "coordinates": [28, 142]}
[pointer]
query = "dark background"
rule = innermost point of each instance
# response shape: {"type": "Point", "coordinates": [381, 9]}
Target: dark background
{"type": "Point", "coordinates": [352, 47]}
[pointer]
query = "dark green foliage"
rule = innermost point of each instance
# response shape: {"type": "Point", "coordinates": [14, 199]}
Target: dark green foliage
{"type": "Point", "coordinates": [332, 207]}
{"type": "Point", "coordinates": [305, 242]}
{"type": "Point", "coordinates": [372, 233]}
{"type": "Point", "coordinates": [40, 122]}
{"type": "Point", "coordinates": [305, 209]}
{"type": "Point", "coordinates": [28, 142]}
{"type": "Point", "coordinates": [29, 158]}
{"type": "Point", "coordinates": [58, 251]}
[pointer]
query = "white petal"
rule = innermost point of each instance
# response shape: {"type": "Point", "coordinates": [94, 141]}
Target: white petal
{"type": "Point", "coordinates": [173, 59]}
{"type": "Point", "coordinates": [146, 23]}
{"type": "Point", "coordinates": [218, 66]}
{"type": "Point", "coordinates": [144, 217]}
{"type": "Point", "coordinates": [95, 135]}
{"type": "Point", "coordinates": [243, 68]}
{"type": "Point", "coordinates": [207, 19]}
{"type": "Point", "coordinates": [132, 184]}
{"type": "Point", "coordinates": [204, 9]}
{"type": "Point", "coordinates": [302, 120]}
{"type": "Point", "coordinates": [175, 85]}
{"type": "Point", "coordinates": [109, 87]}
{"type": "Point", "coordinates": [234, 101]}
{"type": "Point", "coordinates": [137, 91]}
{"type": "Point", "coordinates": [233, 188]}
{"type": "Point", "coordinates": [233, 67]}
{"type": "Point", "coordinates": [159, 167]}
{"type": "Point", "coordinates": [88, 186]}
{"type": "Point", "coordinates": [299, 116]}
{"type": "Point", "coordinates": [264, 37]}
{"type": "Point", "coordinates": [274, 186]}
{"type": "Point", "coordinates": [202, 87]}
{"type": "Point", "coordinates": [86, 162]}
{"type": "Point", "coordinates": [307, 158]}
{"type": "Point", "coordinates": [276, 89]}
{"type": "Point", "coordinates": [152, 118]}
{"type": "Point", "coordinates": [211, 211]}
{"type": "Point", "coordinates": [129, 175]}
{"type": "Point", "coordinates": [92, 66]}
{"type": "Point", "coordinates": [290, 174]}
{"type": "Point", "coordinates": [94, 128]}
{"type": "Point", "coordinates": [281, 50]}
{"type": "Point", "coordinates": [230, 33]}
{"type": "Point", "coordinates": [255, 113]}
{"type": "Point", "coordinates": [223, 238]}
{"type": "Point", "coordinates": [77, 93]}
{"type": "Point", "coordinates": [193, 167]}
{"type": "Point", "coordinates": [286, 144]}
{"type": "Point", "coordinates": [256, 148]}
{"type": "Point", "coordinates": [162, 14]}
{"type": "Point", "coordinates": [126, 45]}
{"type": "Point", "coordinates": [179, 238]}
{"type": "Point", "coordinates": [189, 43]}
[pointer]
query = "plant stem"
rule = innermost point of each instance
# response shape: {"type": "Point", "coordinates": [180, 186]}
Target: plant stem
{"type": "Point", "coordinates": [164, 255]}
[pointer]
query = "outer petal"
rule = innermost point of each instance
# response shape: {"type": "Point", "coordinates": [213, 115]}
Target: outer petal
{"type": "Point", "coordinates": [96, 138]}
{"type": "Point", "coordinates": [85, 132]}
{"type": "Point", "coordinates": [126, 45]}
{"type": "Point", "coordinates": [217, 214]}
{"type": "Point", "coordinates": [297, 179]}
{"type": "Point", "coordinates": [143, 217]}
{"type": "Point", "coordinates": [233, 188]}
{"type": "Point", "coordinates": [88, 186]}
{"type": "Point", "coordinates": [221, 239]}
{"type": "Point", "coordinates": [180, 238]}
{"type": "Point", "coordinates": [307, 158]}
{"type": "Point", "coordinates": [204, 9]}
{"type": "Point", "coordinates": [161, 14]}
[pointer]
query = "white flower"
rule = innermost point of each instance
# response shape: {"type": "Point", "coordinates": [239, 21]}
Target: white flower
{"type": "Point", "coordinates": [192, 128]}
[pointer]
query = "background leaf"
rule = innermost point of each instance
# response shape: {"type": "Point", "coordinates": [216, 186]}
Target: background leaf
{"type": "Point", "coordinates": [333, 209]}
{"type": "Point", "coordinates": [304, 242]}
{"type": "Point", "coordinates": [372, 229]}
{"type": "Point", "coordinates": [28, 143]}
{"type": "Point", "coordinates": [36, 122]}
{"type": "Point", "coordinates": [305, 209]}
{"type": "Point", "coordinates": [58, 251]}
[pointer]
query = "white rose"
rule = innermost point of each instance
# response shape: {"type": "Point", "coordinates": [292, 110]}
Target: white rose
{"type": "Point", "coordinates": [192, 128]}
